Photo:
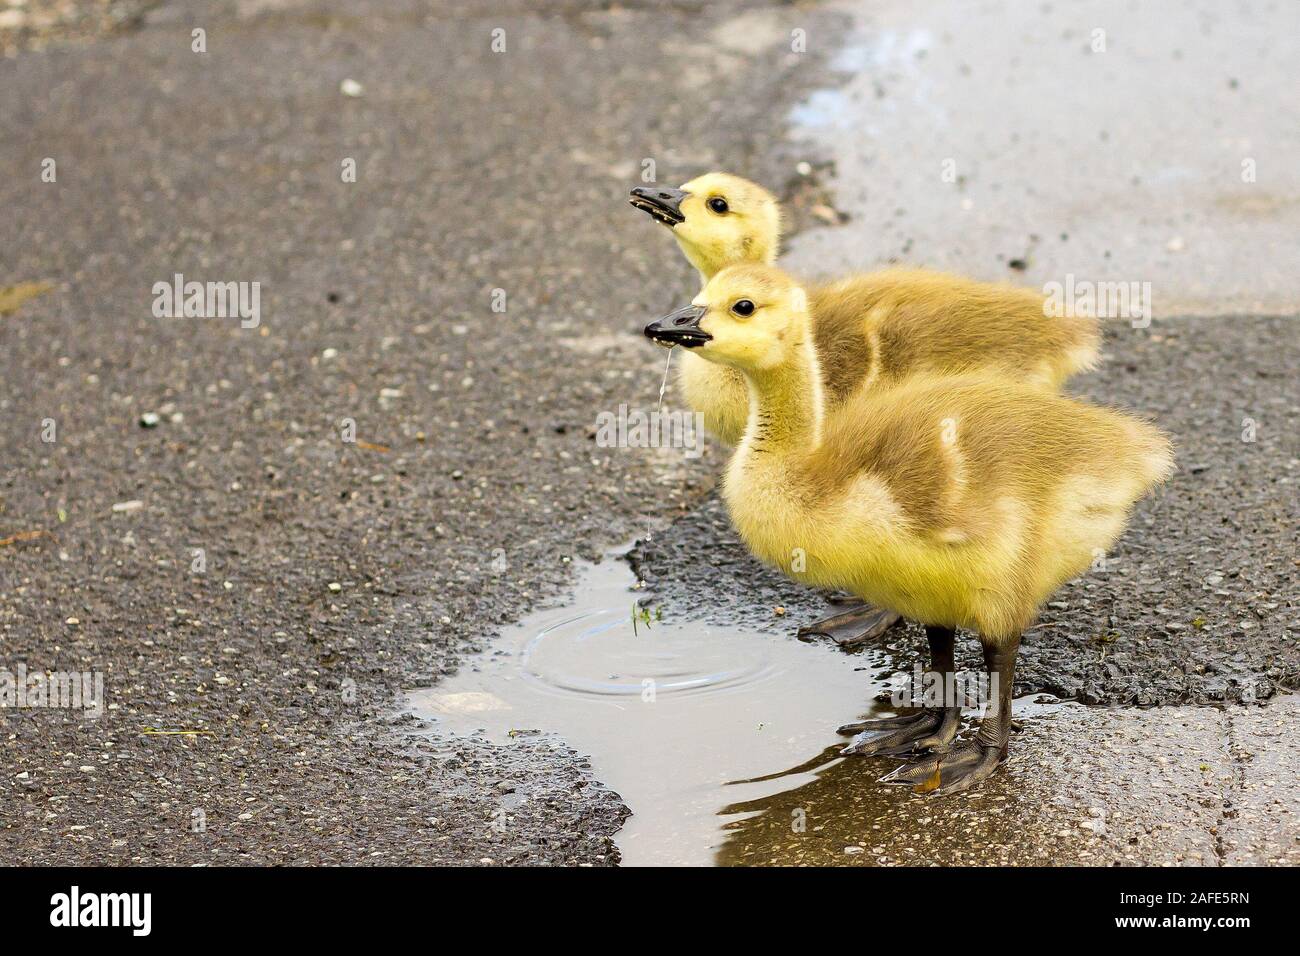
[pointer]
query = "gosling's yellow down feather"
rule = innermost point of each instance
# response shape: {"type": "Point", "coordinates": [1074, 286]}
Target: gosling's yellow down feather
{"type": "Point", "coordinates": [873, 329]}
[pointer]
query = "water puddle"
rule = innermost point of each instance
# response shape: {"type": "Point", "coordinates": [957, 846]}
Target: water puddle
{"type": "Point", "coordinates": [721, 741]}
{"type": "Point", "coordinates": [892, 55]}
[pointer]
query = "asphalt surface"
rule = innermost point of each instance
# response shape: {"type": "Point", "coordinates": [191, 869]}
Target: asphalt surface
{"type": "Point", "coordinates": [476, 171]}
{"type": "Point", "coordinates": [339, 573]}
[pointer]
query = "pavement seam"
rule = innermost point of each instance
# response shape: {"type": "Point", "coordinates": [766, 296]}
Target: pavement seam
{"type": "Point", "coordinates": [1237, 784]}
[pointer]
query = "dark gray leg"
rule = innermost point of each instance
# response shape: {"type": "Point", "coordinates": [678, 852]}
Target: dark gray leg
{"type": "Point", "coordinates": [931, 728]}
{"type": "Point", "coordinates": [964, 766]}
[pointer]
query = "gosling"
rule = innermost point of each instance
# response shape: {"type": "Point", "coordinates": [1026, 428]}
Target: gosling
{"type": "Point", "coordinates": [958, 501]}
{"type": "Point", "coordinates": [870, 330]}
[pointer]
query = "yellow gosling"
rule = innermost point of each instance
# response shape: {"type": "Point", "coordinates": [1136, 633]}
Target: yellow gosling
{"type": "Point", "coordinates": [957, 500]}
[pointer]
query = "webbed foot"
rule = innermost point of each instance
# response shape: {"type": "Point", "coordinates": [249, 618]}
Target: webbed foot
{"type": "Point", "coordinates": [952, 772]}
{"type": "Point", "coordinates": [854, 626]}
{"type": "Point", "coordinates": [927, 730]}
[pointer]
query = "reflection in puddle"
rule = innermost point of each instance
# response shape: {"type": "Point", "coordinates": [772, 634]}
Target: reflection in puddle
{"type": "Point", "coordinates": [722, 742]}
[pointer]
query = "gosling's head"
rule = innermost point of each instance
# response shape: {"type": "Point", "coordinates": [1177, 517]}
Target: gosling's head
{"type": "Point", "coordinates": [751, 317]}
{"type": "Point", "coordinates": [718, 220]}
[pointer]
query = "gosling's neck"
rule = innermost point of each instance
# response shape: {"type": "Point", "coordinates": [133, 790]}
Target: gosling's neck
{"type": "Point", "coordinates": [786, 405]}
{"type": "Point", "coordinates": [710, 264]}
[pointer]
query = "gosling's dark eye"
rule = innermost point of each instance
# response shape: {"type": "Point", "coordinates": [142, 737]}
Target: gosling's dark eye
{"type": "Point", "coordinates": [718, 205]}
{"type": "Point", "coordinates": [743, 308]}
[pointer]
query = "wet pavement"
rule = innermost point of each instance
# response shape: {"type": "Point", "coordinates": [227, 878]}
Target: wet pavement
{"type": "Point", "coordinates": [256, 697]}
{"type": "Point", "coordinates": [1109, 140]}
{"type": "Point", "coordinates": [334, 573]}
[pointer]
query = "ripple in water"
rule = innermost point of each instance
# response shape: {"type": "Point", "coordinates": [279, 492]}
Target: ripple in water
{"type": "Point", "coordinates": [600, 654]}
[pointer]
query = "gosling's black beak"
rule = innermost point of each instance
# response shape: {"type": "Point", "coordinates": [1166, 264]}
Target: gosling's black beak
{"type": "Point", "coordinates": [663, 204]}
{"type": "Point", "coordinates": [680, 328]}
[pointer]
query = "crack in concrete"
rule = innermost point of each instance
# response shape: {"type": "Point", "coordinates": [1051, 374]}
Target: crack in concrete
{"type": "Point", "coordinates": [1238, 758]}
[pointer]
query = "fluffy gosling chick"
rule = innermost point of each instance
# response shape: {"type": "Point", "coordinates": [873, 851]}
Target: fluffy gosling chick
{"type": "Point", "coordinates": [958, 501]}
{"type": "Point", "coordinates": [871, 328]}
